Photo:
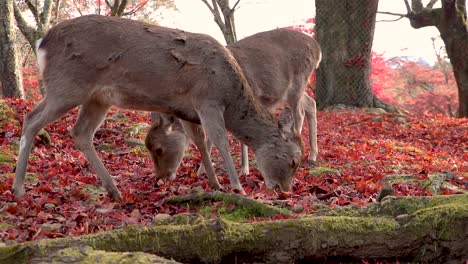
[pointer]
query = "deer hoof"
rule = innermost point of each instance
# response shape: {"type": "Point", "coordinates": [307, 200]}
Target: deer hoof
{"type": "Point", "coordinates": [216, 186]}
{"type": "Point", "coordinates": [244, 171]}
{"type": "Point", "coordinates": [116, 196]}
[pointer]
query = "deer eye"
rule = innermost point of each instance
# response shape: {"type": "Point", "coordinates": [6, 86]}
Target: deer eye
{"type": "Point", "coordinates": [158, 151]}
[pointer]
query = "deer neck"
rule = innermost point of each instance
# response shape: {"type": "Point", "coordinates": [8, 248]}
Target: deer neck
{"type": "Point", "coordinates": [249, 122]}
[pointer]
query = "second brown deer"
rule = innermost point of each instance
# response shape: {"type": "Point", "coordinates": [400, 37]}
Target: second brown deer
{"type": "Point", "coordinates": [97, 62]}
{"type": "Point", "coordinates": [277, 65]}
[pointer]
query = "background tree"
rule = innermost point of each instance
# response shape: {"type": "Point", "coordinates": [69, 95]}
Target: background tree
{"type": "Point", "coordinates": [224, 17]}
{"type": "Point", "coordinates": [10, 74]}
{"type": "Point", "coordinates": [451, 21]}
{"type": "Point", "coordinates": [345, 31]}
{"type": "Point", "coordinates": [41, 13]}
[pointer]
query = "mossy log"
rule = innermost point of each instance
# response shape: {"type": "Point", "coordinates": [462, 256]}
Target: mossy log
{"type": "Point", "coordinates": [426, 229]}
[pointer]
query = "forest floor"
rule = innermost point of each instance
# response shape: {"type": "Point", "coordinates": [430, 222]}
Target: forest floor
{"type": "Point", "coordinates": [359, 151]}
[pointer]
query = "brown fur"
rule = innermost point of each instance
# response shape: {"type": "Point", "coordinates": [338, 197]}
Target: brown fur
{"type": "Point", "coordinates": [97, 62]}
{"type": "Point", "coordinates": [277, 65]}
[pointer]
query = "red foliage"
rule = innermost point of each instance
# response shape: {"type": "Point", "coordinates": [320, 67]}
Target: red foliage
{"type": "Point", "coordinates": [67, 199]}
{"type": "Point", "coordinates": [415, 85]}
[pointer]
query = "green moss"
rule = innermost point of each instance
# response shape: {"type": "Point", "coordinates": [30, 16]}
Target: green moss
{"type": "Point", "coordinates": [441, 220]}
{"type": "Point", "coordinates": [93, 190]}
{"type": "Point", "coordinates": [7, 114]}
{"type": "Point", "coordinates": [13, 254]}
{"type": "Point", "coordinates": [4, 226]}
{"type": "Point", "coordinates": [322, 170]}
{"type": "Point", "coordinates": [31, 178]}
{"type": "Point", "coordinates": [5, 158]}
{"type": "Point", "coordinates": [89, 256]}
{"type": "Point", "coordinates": [104, 147]}
{"type": "Point", "coordinates": [138, 129]}
{"type": "Point", "coordinates": [244, 207]}
{"type": "Point", "coordinates": [408, 205]}
{"type": "Point", "coordinates": [237, 214]}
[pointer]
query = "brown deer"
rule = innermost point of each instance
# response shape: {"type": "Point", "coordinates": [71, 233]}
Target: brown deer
{"type": "Point", "coordinates": [277, 65]}
{"type": "Point", "coordinates": [97, 62]}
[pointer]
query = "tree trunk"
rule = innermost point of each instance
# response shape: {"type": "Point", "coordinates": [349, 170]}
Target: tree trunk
{"type": "Point", "coordinates": [407, 229]}
{"type": "Point", "coordinates": [454, 32]}
{"type": "Point", "coordinates": [450, 20]}
{"type": "Point", "coordinates": [10, 72]}
{"type": "Point", "coordinates": [345, 31]}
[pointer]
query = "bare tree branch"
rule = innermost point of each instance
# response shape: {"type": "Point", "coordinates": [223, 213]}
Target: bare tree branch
{"type": "Point", "coordinates": [209, 6]}
{"type": "Point", "coordinates": [134, 10]}
{"type": "Point", "coordinates": [431, 4]}
{"type": "Point", "coordinates": [417, 5]}
{"type": "Point", "coordinates": [33, 9]}
{"type": "Point", "coordinates": [121, 7]}
{"type": "Point", "coordinates": [393, 14]}
{"type": "Point", "coordinates": [216, 14]}
{"type": "Point", "coordinates": [408, 7]}
{"type": "Point", "coordinates": [390, 20]}
{"type": "Point", "coordinates": [57, 10]}
{"type": "Point", "coordinates": [107, 3]}
{"type": "Point", "coordinates": [78, 8]}
{"type": "Point", "coordinates": [45, 17]}
{"type": "Point", "coordinates": [28, 32]}
{"type": "Point", "coordinates": [235, 5]}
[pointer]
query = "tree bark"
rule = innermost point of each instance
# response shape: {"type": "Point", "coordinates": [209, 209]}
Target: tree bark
{"type": "Point", "coordinates": [10, 72]}
{"type": "Point", "coordinates": [345, 32]}
{"type": "Point", "coordinates": [451, 21]}
{"type": "Point", "coordinates": [410, 229]}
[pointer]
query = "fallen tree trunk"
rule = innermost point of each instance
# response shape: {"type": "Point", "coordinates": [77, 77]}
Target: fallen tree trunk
{"type": "Point", "coordinates": [428, 229]}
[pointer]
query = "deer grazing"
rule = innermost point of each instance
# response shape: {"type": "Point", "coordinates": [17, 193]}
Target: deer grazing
{"type": "Point", "coordinates": [96, 62]}
{"type": "Point", "coordinates": [277, 65]}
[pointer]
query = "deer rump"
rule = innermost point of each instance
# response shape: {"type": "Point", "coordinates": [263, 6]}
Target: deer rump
{"type": "Point", "coordinates": [277, 65]}
{"type": "Point", "coordinates": [97, 62]}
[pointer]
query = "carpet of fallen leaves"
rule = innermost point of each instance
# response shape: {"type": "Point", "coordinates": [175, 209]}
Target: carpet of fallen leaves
{"type": "Point", "coordinates": [65, 198]}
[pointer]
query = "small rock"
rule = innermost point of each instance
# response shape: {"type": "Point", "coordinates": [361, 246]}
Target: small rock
{"type": "Point", "coordinates": [197, 189]}
{"type": "Point", "coordinates": [377, 119]}
{"type": "Point", "coordinates": [49, 206]}
{"type": "Point", "coordinates": [161, 219]}
{"type": "Point", "coordinates": [297, 208]}
{"type": "Point", "coordinates": [104, 210]}
{"type": "Point", "coordinates": [51, 227]}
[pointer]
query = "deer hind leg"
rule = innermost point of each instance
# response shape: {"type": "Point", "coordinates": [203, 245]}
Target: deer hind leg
{"type": "Point", "coordinates": [43, 114]}
{"type": "Point", "coordinates": [244, 160]}
{"type": "Point", "coordinates": [310, 108]}
{"type": "Point", "coordinates": [198, 137]}
{"type": "Point", "coordinates": [212, 121]}
{"type": "Point", "coordinates": [92, 113]}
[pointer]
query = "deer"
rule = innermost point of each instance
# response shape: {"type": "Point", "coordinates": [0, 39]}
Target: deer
{"type": "Point", "coordinates": [277, 66]}
{"type": "Point", "coordinates": [96, 62]}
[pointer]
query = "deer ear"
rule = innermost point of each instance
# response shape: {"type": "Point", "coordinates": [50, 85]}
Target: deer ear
{"type": "Point", "coordinates": [167, 121]}
{"type": "Point", "coordinates": [286, 122]}
{"type": "Point", "coordinates": [156, 120]}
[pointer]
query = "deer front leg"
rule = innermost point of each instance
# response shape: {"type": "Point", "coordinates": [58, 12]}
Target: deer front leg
{"type": "Point", "coordinates": [244, 160]}
{"type": "Point", "coordinates": [196, 133]}
{"type": "Point", "coordinates": [91, 115]}
{"type": "Point", "coordinates": [310, 109]}
{"type": "Point", "coordinates": [212, 121]}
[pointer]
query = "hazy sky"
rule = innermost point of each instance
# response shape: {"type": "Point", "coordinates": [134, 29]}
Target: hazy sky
{"type": "Point", "coordinates": [392, 38]}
